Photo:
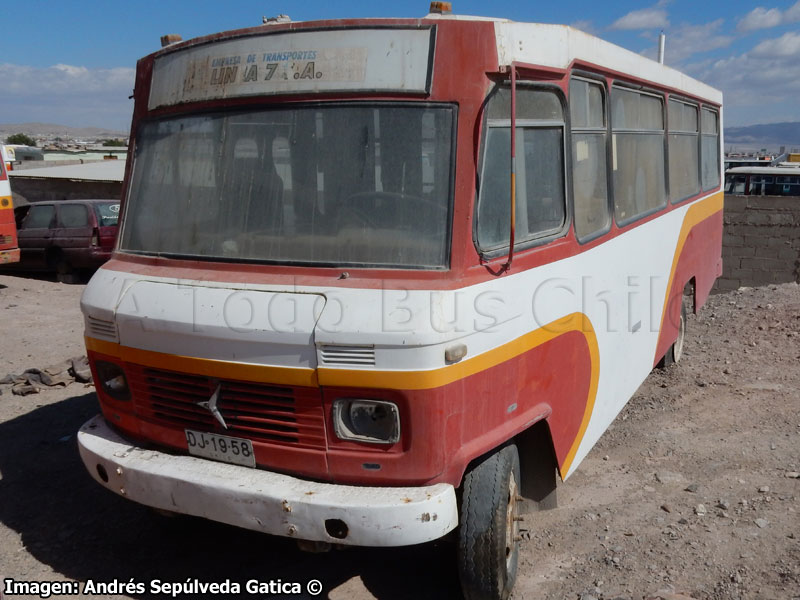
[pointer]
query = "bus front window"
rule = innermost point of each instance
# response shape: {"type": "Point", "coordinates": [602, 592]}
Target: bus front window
{"type": "Point", "coordinates": [329, 186]}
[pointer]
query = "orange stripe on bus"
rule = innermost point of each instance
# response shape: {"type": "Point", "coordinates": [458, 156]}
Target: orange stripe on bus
{"type": "Point", "coordinates": [433, 378]}
{"type": "Point", "coordinates": [221, 369]}
{"type": "Point", "coordinates": [397, 380]}
{"type": "Point", "coordinates": [379, 379]}
{"type": "Point", "coordinates": [594, 353]}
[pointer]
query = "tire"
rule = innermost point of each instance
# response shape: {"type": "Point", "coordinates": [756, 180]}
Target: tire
{"type": "Point", "coordinates": [675, 351]}
{"type": "Point", "coordinates": [65, 273]}
{"type": "Point", "coordinates": [488, 537]}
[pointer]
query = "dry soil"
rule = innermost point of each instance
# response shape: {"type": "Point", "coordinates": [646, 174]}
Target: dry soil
{"type": "Point", "coordinates": [693, 491]}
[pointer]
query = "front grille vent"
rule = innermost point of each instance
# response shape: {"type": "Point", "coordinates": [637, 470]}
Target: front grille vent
{"type": "Point", "coordinates": [347, 355]}
{"type": "Point", "coordinates": [98, 328]}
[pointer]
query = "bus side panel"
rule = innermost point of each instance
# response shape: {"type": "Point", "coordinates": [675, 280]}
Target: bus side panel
{"type": "Point", "coordinates": [707, 237]}
{"type": "Point", "coordinates": [426, 416]}
{"type": "Point", "coordinates": [698, 256]}
{"type": "Point", "coordinates": [553, 380]}
{"type": "Point", "coordinates": [9, 251]}
{"type": "Point", "coordinates": [573, 397]}
{"type": "Point", "coordinates": [473, 416]}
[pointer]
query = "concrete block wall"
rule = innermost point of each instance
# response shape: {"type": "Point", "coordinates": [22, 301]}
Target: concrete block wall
{"type": "Point", "coordinates": [760, 242]}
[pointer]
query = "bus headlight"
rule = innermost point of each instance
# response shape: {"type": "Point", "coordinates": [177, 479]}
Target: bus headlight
{"type": "Point", "coordinates": [376, 421]}
{"type": "Point", "coordinates": [112, 380]}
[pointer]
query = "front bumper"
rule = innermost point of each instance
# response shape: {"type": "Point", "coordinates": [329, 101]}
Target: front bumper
{"type": "Point", "coordinates": [9, 256]}
{"type": "Point", "coordinates": [264, 501]}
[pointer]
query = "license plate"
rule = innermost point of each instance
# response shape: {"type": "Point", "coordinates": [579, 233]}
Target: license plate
{"type": "Point", "coordinates": [221, 447]}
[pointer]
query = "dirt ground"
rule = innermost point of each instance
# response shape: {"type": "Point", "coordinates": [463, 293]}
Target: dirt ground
{"type": "Point", "coordinates": [693, 491]}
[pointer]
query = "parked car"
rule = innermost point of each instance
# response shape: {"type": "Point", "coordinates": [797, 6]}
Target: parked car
{"type": "Point", "coordinates": [66, 236]}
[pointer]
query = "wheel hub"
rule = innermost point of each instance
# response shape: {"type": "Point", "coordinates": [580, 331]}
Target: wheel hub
{"type": "Point", "coordinates": [512, 524]}
{"type": "Point", "coordinates": [678, 349]}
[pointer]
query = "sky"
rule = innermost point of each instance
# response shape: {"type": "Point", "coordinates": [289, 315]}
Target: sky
{"type": "Point", "coordinates": [73, 62]}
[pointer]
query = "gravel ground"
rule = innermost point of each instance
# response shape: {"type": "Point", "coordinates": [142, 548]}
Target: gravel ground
{"type": "Point", "coordinates": [692, 493]}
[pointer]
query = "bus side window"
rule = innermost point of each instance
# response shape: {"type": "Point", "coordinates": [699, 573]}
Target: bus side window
{"type": "Point", "coordinates": [589, 136]}
{"type": "Point", "coordinates": [709, 124]}
{"type": "Point", "coordinates": [684, 179]}
{"type": "Point", "coordinates": [540, 195]}
{"type": "Point", "coordinates": [637, 122]}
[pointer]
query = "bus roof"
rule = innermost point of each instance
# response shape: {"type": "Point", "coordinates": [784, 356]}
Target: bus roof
{"type": "Point", "coordinates": [559, 46]}
{"type": "Point", "coordinates": [547, 45]}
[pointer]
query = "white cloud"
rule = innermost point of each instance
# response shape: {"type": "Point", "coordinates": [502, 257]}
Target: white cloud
{"type": "Point", "coordinates": [763, 18]}
{"type": "Point", "coordinates": [72, 71]}
{"type": "Point", "coordinates": [69, 79]}
{"type": "Point", "coordinates": [67, 94]}
{"type": "Point", "coordinates": [687, 40]}
{"type": "Point", "coordinates": [793, 14]}
{"type": "Point", "coordinates": [645, 18]}
{"type": "Point", "coordinates": [762, 79]}
{"type": "Point", "coordinates": [788, 45]}
{"type": "Point", "coordinates": [760, 18]}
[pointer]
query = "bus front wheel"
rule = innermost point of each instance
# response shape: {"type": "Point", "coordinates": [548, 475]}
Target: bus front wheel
{"type": "Point", "coordinates": [488, 536]}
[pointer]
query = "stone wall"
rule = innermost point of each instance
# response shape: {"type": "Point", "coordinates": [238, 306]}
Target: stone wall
{"type": "Point", "coordinates": [761, 241]}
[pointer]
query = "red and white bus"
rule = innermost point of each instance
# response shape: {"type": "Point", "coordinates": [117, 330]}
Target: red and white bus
{"type": "Point", "coordinates": [315, 324]}
{"type": "Point", "coordinates": [9, 248]}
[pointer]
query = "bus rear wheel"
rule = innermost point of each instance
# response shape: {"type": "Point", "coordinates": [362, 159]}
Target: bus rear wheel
{"type": "Point", "coordinates": [675, 352]}
{"type": "Point", "coordinates": [488, 537]}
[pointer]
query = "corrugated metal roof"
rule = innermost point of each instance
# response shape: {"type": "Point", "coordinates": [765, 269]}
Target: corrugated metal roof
{"type": "Point", "coordinates": [782, 170]}
{"type": "Point", "coordinates": [105, 170]}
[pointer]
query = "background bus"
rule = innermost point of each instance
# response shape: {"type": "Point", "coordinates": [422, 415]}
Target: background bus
{"type": "Point", "coordinates": [763, 181]}
{"type": "Point", "coordinates": [9, 250]}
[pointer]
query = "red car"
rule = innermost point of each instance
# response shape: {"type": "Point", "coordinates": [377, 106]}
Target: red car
{"type": "Point", "coordinates": [66, 236]}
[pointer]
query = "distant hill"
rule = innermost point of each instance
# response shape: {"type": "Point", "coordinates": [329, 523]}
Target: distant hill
{"type": "Point", "coordinates": [53, 130]}
{"type": "Point", "coordinates": [771, 136]}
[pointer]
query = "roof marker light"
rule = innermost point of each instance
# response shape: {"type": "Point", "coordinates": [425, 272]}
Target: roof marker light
{"type": "Point", "coordinates": [276, 20]}
{"type": "Point", "coordinates": [442, 8]}
{"type": "Point", "coordinates": [170, 38]}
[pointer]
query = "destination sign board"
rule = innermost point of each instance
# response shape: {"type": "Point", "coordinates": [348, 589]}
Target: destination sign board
{"type": "Point", "coordinates": [297, 62]}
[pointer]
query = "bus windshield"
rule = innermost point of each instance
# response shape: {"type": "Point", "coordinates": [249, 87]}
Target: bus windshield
{"type": "Point", "coordinates": [334, 185]}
